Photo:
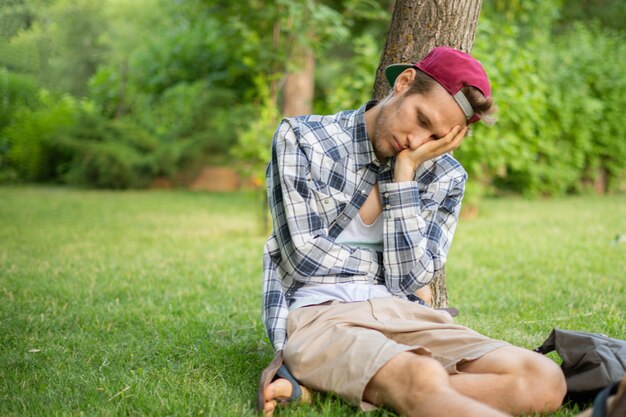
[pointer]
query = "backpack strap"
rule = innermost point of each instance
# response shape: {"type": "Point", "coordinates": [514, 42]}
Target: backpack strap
{"type": "Point", "coordinates": [600, 403]}
{"type": "Point", "coordinates": [549, 345]}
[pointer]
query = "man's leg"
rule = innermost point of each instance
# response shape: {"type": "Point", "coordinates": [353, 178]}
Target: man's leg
{"type": "Point", "coordinates": [418, 386]}
{"type": "Point", "coordinates": [513, 380]}
{"type": "Point", "coordinates": [510, 379]}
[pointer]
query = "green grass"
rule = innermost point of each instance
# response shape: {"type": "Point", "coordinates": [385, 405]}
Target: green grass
{"type": "Point", "coordinates": [148, 303]}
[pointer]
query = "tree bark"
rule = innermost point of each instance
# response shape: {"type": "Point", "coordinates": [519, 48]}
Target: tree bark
{"type": "Point", "coordinates": [416, 27]}
{"type": "Point", "coordinates": [299, 86]}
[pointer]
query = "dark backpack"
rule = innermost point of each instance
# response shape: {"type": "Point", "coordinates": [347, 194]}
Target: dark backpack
{"type": "Point", "coordinates": [591, 361]}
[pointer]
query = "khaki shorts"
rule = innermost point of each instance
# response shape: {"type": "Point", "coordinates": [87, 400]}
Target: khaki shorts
{"type": "Point", "coordinates": [339, 347]}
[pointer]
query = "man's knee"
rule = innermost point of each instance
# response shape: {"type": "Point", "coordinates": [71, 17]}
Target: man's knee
{"type": "Point", "coordinates": [552, 387]}
{"type": "Point", "coordinates": [405, 379]}
{"type": "Point", "coordinates": [541, 382]}
{"type": "Point", "coordinates": [535, 383]}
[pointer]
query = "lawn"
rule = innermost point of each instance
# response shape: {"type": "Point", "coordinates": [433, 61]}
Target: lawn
{"type": "Point", "coordinates": [148, 303]}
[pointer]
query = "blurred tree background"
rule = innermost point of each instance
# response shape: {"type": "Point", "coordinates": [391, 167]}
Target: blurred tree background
{"type": "Point", "coordinates": [116, 94]}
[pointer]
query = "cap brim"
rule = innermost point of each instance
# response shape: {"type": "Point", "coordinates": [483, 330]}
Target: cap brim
{"type": "Point", "coordinates": [393, 70]}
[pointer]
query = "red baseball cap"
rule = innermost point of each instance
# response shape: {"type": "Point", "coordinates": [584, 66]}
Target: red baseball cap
{"type": "Point", "coordinates": [452, 69]}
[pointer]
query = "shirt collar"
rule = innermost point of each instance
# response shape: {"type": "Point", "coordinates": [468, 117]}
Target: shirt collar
{"type": "Point", "coordinates": [363, 149]}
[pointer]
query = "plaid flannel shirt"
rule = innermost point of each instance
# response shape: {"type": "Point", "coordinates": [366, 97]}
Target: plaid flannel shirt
{"type": "Point", "coordinates": [321, 171]}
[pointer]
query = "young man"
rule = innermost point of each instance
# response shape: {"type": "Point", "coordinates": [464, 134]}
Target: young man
{"type": "Point", "coordinates": [364, 206]}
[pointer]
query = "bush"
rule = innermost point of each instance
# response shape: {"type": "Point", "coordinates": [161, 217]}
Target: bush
{"type": "Point", "coordinates": [67, 140]}
{"type": "Point", "coordinates": [351, 89]}
{"type": "Point", "coordinates": [16, 92]}
{"type": "Point", "coordinates": [560, 100]}
{"type": "Point", "coordinates": [108, 153]}
{"type": "Point", "coordinates": [196, 120]}
{"type": "Point", "coordinates": [28, 139]}
{"type": "Point", "coordinates": [595, 79]}
{"type": "Point", "coordinates": [254, 140]}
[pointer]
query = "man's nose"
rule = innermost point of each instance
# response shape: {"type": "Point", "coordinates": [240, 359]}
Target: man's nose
{"type": "Point", "coordinates": [417, 138]}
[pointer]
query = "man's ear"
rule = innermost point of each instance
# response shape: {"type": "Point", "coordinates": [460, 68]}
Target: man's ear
{"type": "Point", "coordinates": [404, 81]}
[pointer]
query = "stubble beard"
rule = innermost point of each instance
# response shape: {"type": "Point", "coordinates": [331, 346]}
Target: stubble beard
{"type": "Point", "coordinates": [381, 136]}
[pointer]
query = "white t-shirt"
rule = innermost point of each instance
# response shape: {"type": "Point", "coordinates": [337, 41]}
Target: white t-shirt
{"type": "Point", "coordinates": [356, 234]}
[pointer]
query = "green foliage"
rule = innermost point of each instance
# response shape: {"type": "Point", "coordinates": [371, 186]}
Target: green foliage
{"type": "Point", "coordinates": [594, 115]}
{"type": "Point", "coordinates": [531, 17]}
{"type": "Point", "coordinates": [253, 145]}
{"type": "Point", "coordinates": [59, 41]}
{"type": "Point", "coordinates": [14, 16]}
{"type": "Point", "coordinates": [106, 89]}
{"type": "Point", "coordinates": [274, 31]}
{"type": "Point", "coordinates": [92, 150]}
{"type": "Point", "coordinates": [16, 24]}
{"type": "Point", "coordinates": [185, 109]}
{"type": "Point", "coordinates": [606, 13]}
{"type": "Point", "coordinates": [559, 123]}
{"type": "Point", "coordinates": [348, 84]}
{"type": "Point", "coordinates": [203, 81]}
{"type": "Point", "coordinates": [107, 153]}
{"type": "Point", "coordinates": [73, 29]}
{"type": "Point", "coordinates": [189, 52]}
{"type": "Point", "coordinates": [272, 37]}
{"type": "Point", "coordinates": [16, 91]}
{"type": "Point", "coordinates": [29, 138]}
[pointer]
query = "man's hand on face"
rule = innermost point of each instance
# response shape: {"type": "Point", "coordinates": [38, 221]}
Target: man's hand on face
{"type": "Point", "coordinates": [408, 160]}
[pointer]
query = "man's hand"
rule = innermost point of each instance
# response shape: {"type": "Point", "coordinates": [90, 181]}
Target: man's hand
{"type": "Point", "coordinates": [409, 160]}
{"type": "Point", "coordinates": [426, 294]}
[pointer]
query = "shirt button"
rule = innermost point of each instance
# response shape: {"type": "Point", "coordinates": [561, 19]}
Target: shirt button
{"type": "Point", "coordinates": [326, 201]}
{"type": "Point", "coordinates": [387, 206]}
{"type": "Point", "coordinates": [363, 192]}
{"type": "Point", "coordinates": [387, 195]}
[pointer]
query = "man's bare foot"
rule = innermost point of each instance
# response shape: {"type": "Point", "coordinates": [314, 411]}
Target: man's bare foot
{"type": "Point", "coordinates": [280, 390]}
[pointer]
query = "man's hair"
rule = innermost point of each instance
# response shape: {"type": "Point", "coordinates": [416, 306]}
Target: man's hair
{"type": "Point", "coordinates": [483, 106]}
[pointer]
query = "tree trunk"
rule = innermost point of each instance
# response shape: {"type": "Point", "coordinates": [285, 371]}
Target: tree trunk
{"type": "Point", "coordinates": [299, 86]}
{"type": "Point", "coordinates": [416, 27]}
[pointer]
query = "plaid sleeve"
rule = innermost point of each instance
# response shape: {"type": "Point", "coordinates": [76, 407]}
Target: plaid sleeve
{"type": "Point", "coordinates": [418, 230]}
{"type": "Point", "coordinates": [311, 255]}
{"type": "Point", "coordinates": [274, 305]}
